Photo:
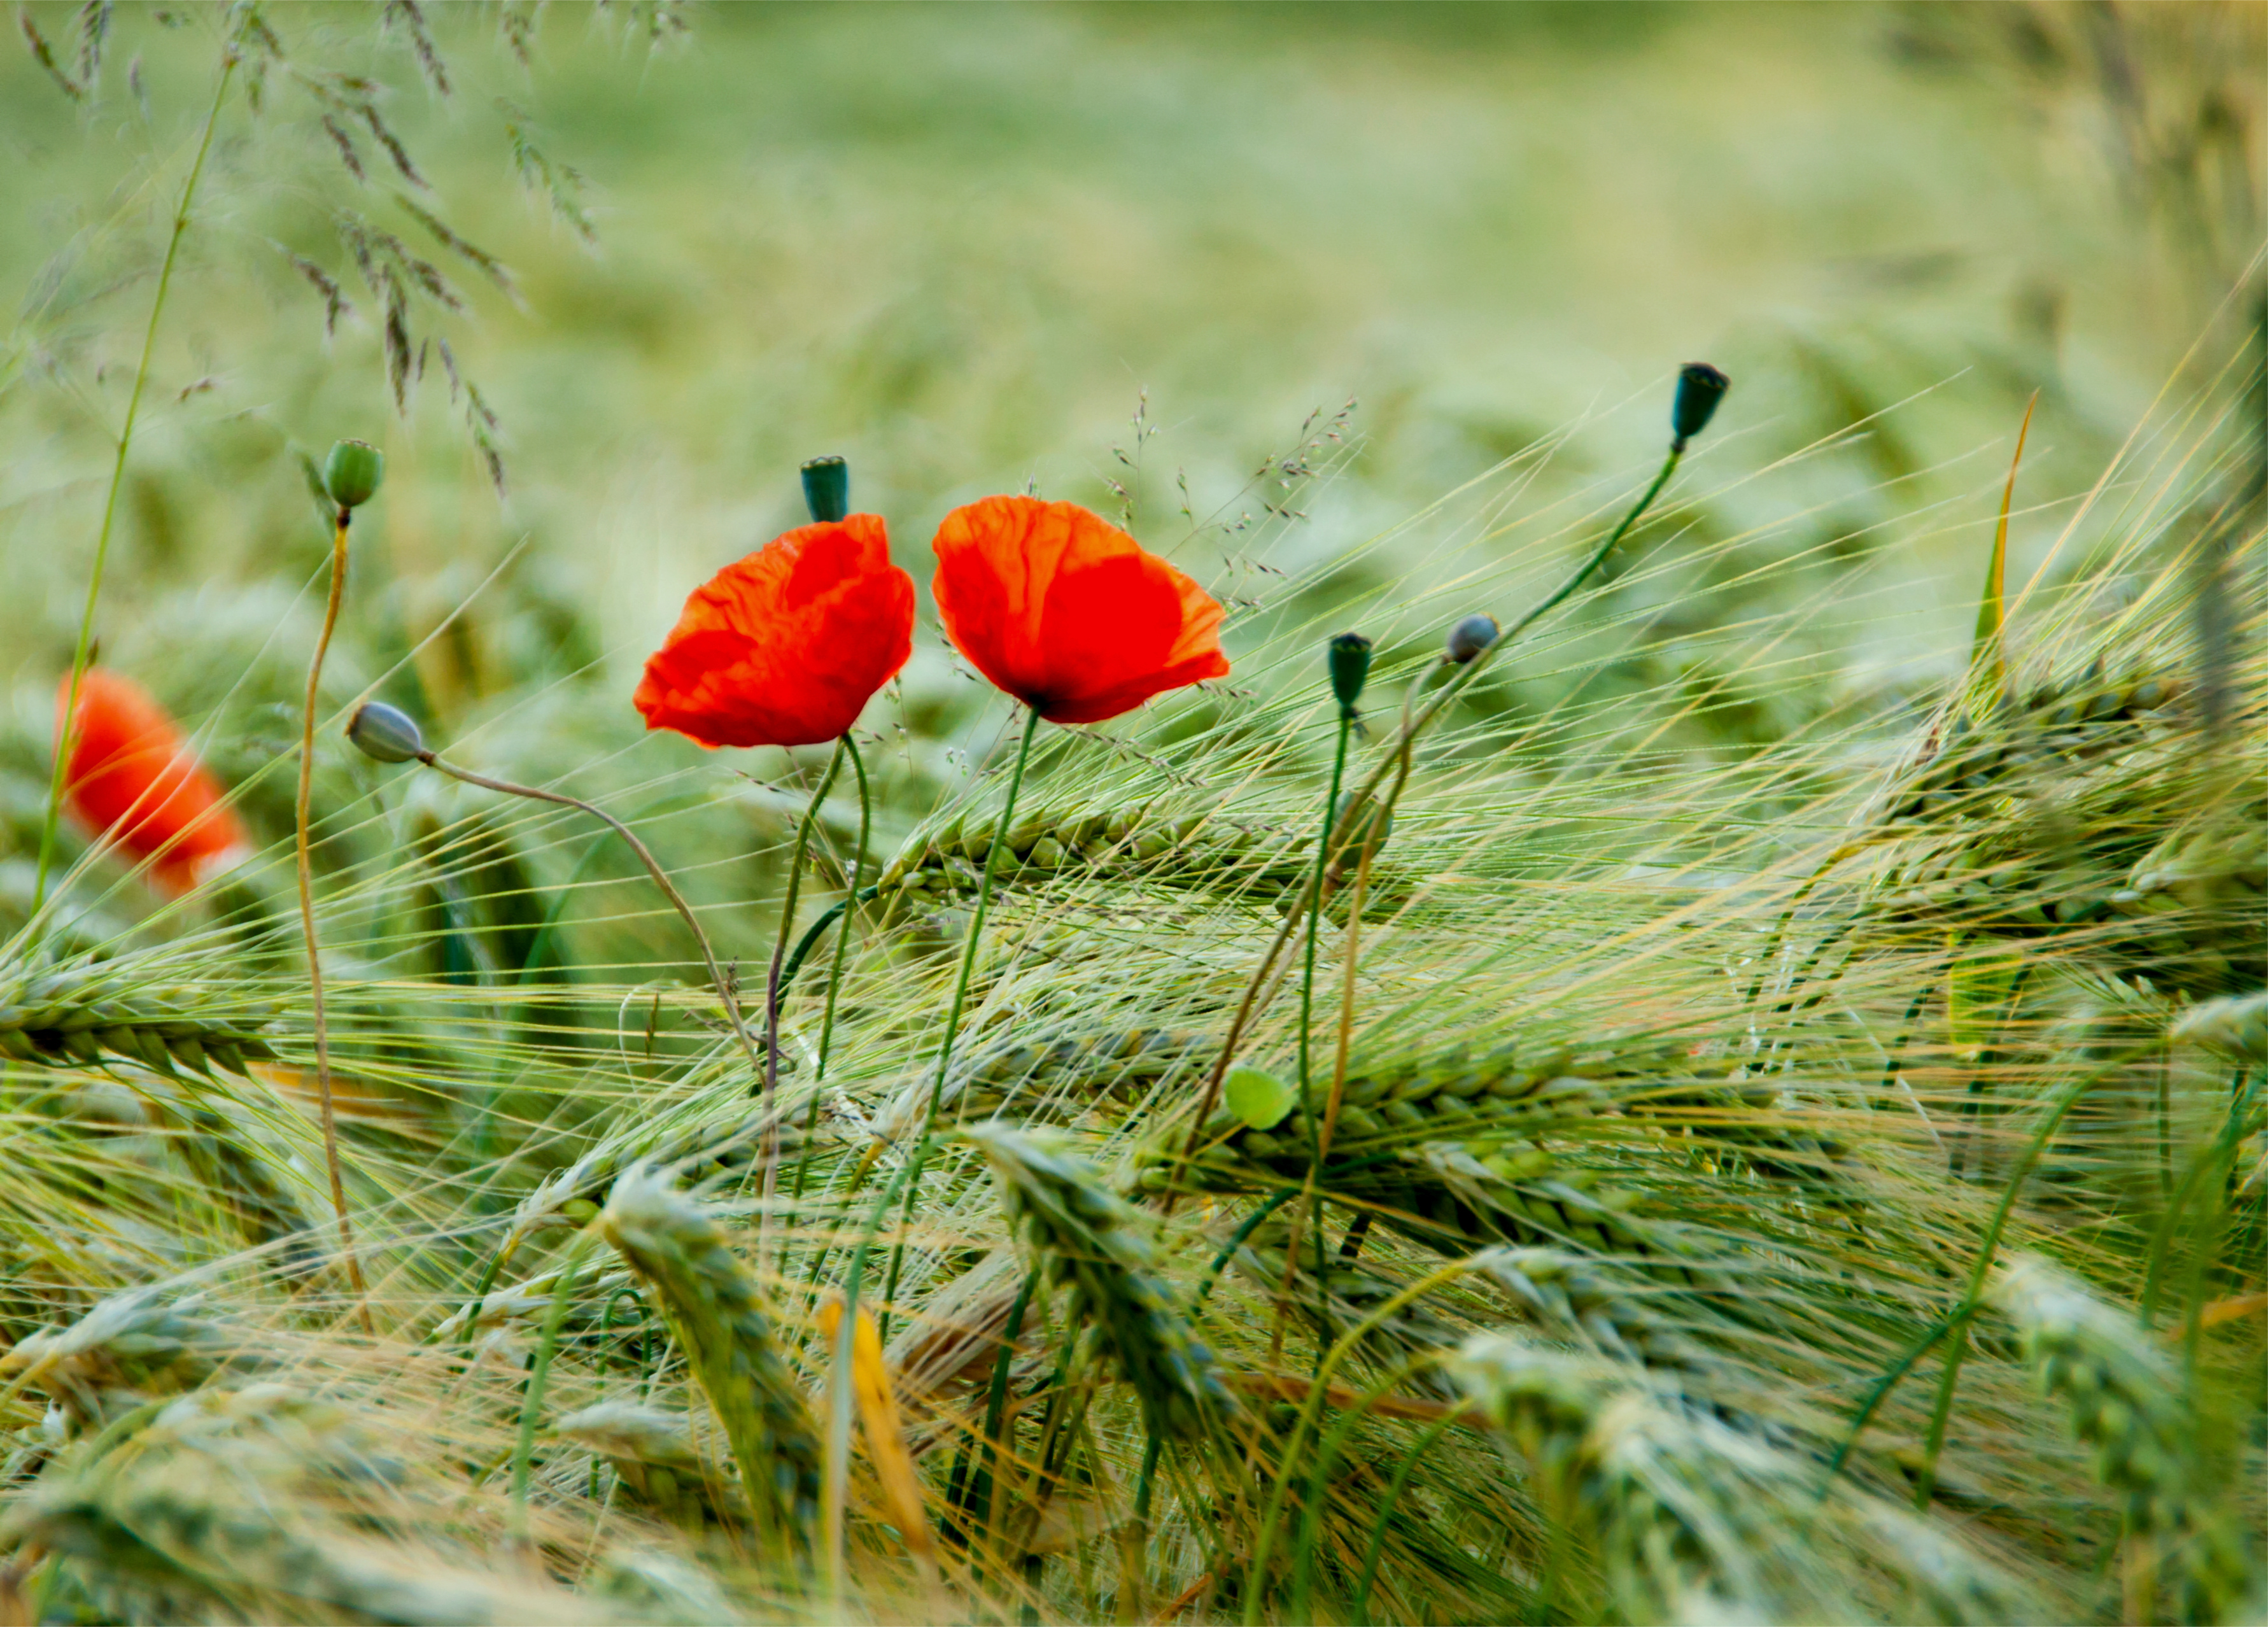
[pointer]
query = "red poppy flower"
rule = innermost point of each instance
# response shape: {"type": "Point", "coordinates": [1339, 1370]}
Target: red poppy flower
{"type": "Point", "coordinates": [785, 647]}
{"type": "Point", "coordinates": [132, 780]}
{"type": "Point", "coordinates": [1067, 612]}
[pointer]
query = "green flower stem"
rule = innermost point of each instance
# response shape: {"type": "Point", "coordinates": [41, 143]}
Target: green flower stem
{"type": "Point", "coordinates": [303, 809]}
{"type": "Point", "coordinates": [770, 1078]}
{"type": "Point", "coordinates": [1306, 1020]}
{"type": "Point", "coordinates": [768, 1159]}
{"type": "Point", "coordinates": [1398, 753]}
{"type": "Point", "coordinates": [953, 1013]}
{"type": "Point", "coordinates": [1391, 1501]}
{"type": "Point", "coordinates": [843, 939]}
{"type": "Point", "coordinates": [652, 868]}
{"type": "Point", "coordinates": [80, 653]}
{"type": "Point", "coordinates": [835, 973]}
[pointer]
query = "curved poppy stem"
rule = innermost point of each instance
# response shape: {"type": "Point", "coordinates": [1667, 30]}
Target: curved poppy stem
{"type": "Point", "coordinates": [302, 810]}
{"type": "Point", "coordinates": [81, 653]}
{"type": "Point", "coordinates": [851, 895]}
{"type": "Point", "coordinates": [768, 1158]}
{"type": "Point", "coordinates": [835, 973]}
{"type": "Point", "coordinates": [1397, 758]}
{"type": "Point", "coordinates": [652, 868]}
{"type": "Point", "coordinates": [953, 1013]}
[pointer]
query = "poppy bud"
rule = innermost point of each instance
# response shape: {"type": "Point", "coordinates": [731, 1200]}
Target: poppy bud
{"type": "Point", "coordinates": [1469, 637]}
{"type": "Point", "coordinates": [827, 488]}
{"type": "Point", "coordinates": [1699, 388]}
{"type": "Point", "coordinates": [1349, 664]}
{"type": "Point", "coordinates": [386, 732]}
{"type": "Point", "coordinates": [352, 472]}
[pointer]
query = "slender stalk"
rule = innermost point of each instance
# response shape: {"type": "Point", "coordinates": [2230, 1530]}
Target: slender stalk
{"type": "Point", "coordinates": [302, 851]}
{"type": "Point", "coordinates": [1399, 754]}
{"type": "Point", "coordinates": [652, 868]}
{"type": "Point", "coordinates": [768, 1160]}
{"type": "Point", "coordinates": [1306, 1020]}
{"type": "Point", "coordinates": [80, 654]}
{"type": "Point", "coordinates": [1389, 1503]}
{"type": "Point", "coordinates": [849, 897]}
{"type": "Point", "coordinates": [835, 973]}
{"type": "Point", "coordinates": [953, 1013]}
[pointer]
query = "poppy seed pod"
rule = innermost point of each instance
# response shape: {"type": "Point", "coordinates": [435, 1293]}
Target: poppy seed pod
{"type": "Point", "coordinates": [351, 474]}
{"type": "Point", "coordinates": [827, 488]}
{"type": "Point", "coordinates": [386, 732]}
{"type": "Point", "coordinates": [1699, 388]}
{"type": "Point", "coordinates": [1350, 663]}
{"type": "Point", "coordinates": [1470, 637]}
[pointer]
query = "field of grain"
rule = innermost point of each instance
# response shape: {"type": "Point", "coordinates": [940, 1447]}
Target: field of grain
{"type": "Point", "coordinates": [1677, 1031]}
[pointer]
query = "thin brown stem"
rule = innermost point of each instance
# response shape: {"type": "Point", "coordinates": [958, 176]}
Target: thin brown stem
{"type": "Point", "coordinates": [302, 849]}
{"type": "Point", "coordinates": [652, 868]}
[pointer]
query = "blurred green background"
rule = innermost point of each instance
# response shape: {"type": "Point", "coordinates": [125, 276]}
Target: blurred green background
{"type": "Point", "coordinates": [964, 245]}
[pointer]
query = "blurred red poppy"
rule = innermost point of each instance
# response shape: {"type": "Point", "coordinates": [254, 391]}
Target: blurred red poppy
{"type": "Point", "coordinates": [785, 647]}
{"type": "Point", "coordinates": [133, 780]}
{"type": "Point", "coordinates": [1067, 612]}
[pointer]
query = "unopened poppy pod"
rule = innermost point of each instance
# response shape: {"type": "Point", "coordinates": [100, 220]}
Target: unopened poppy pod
{"type": "Point", "coordinates": [133, 780]}
{"type": "Point", "coordinates": [1067, 612]}
{"type": "Point", "coordinates": [787, 646]}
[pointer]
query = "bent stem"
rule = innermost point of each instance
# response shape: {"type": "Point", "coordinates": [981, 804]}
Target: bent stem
{"type": "Point", "coordinates": [769, 1156]}
{"type": "Point", "coordinates": [302, 808]}
{"type": "Point", "coordinates": [652, 868]}
{"type": "Point", "coordinates": [1398, 753]}
{"type": "Point", "coordinates": [80, 653]}
{"type": "Point", "coordinates": [841, 911]}
{"type": "Point", "coordinates": [952, 1015]}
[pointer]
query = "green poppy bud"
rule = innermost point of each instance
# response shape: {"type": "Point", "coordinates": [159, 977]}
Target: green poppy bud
{"type": "Point", "coordinates": [1699, 388]}
{"type": "Point", "coordinates": [386, 732]}
{"type": "Point", "coordinates": [827, 488]}
{"type": "Point", "coordinates": [1469, 637]}
{"type": "Point", "coordinates": [1349, 664]}
{"type": "Point", "coordinates": [352, 472]}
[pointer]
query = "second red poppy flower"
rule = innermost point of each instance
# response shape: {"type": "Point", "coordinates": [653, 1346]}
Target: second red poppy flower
{"type": "Point", "coordinates": [1067, 612]}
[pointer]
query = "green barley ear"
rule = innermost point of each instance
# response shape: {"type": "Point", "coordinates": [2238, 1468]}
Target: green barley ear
{"type": "Point", "coordinates": [128, 1349]}
{"type": "Point", "coordinates": [712, 1302]}
{"type": "Point", "coordinates": [80, 1012]}
{"type": "Point", "coordinates": [2237, 1027]}
{"type": "Point", "coordinates": [1097, 1245]}
{"type": "Point", "coordinates": [655, 1462]}
{"type": "Point", "coordinates": [2126, 1402]}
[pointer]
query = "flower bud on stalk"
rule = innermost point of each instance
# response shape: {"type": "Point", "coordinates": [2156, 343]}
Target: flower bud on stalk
{"type": "Point", "coordinates": [827, 488]}
{"type": "Point", "coordinates": [1348, 656]}
{"type": "Point", "coordinates": [1699, 388]}
{"type": "Point", "coordinates": [386, 732]}
{"type": "Point", "coordinates": [1469, 638]}
{"type": "Point", "coordinates": [352, 472]}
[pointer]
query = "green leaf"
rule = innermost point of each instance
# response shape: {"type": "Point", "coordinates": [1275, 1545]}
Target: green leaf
{"type": "Point", "coordinates": [1258, 1097]}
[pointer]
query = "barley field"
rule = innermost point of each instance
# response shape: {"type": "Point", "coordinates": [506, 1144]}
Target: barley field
{"type": "Point", "coordinates": [1068, 813]}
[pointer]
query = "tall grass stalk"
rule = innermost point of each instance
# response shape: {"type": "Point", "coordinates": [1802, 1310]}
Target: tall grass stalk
{"type": "Point", "coordinates": [82, 651]}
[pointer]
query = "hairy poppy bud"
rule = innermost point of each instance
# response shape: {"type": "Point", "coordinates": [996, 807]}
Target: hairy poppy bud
{"type": "Point", "coordinates": [386, 732]}
{"type": "Point", "coordinates": [352, 472]}
{"type": "Point", "coordinates": [827, 488]}
{"type": "Point", "coordinates": [1699, 388]}
{"type": "Point", "coordinates": [1469, 637]}
{"type": "Point", "coordinates": [1350, 663]}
